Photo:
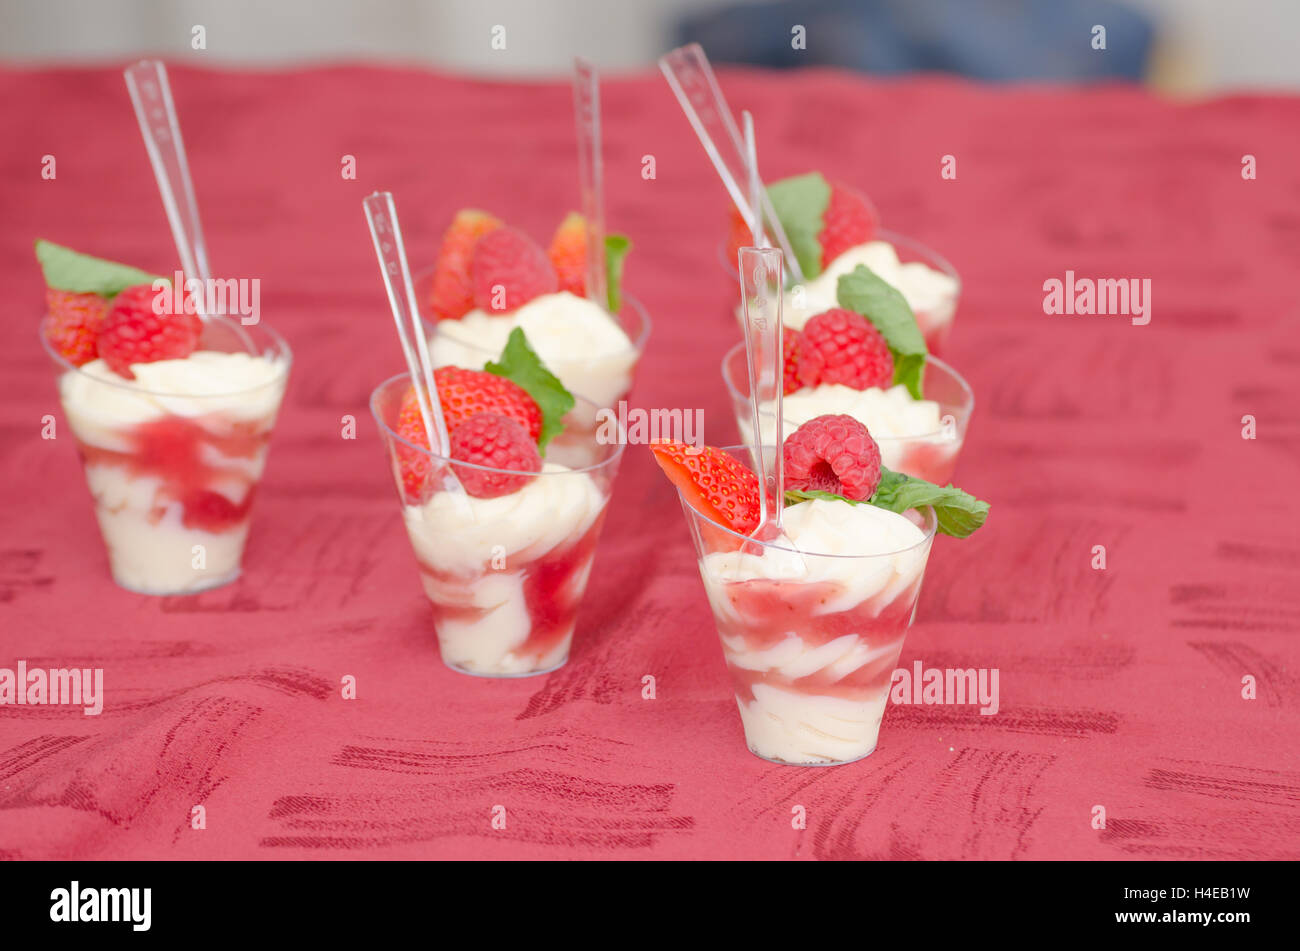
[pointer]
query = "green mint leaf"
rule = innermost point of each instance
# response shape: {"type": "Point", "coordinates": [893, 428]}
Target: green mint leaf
{"type": "Point", "coordinates": [520, 364]}
{"type": "Point", "coordinates": [616, 248]}
{"type": "Point", "coordinates": [794, 496]}
{"type": "Point", "coordinates": [68, 270]}
{"type": "Point", "coordinates": [958, 513]}
{"type": "Point", "coordinates": [864, 291]}
{"type": "Point", "coordinates": [800, 204]}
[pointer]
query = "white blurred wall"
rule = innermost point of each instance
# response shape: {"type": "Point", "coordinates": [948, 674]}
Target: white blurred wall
{"type": "Point", "coordinates": [1206, 44]}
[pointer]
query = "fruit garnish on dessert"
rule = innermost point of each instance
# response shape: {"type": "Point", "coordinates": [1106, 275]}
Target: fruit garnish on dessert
{"type": "Point", "coordinates": [502, 417]}
{"type": "Point", "coordinates": [822, 220]}
{"type": "Point", "coordinates": [829, 458]}
{"type": "Point", "coordinates": [80, 292]}
{"type": "Point", "coordinates": [452, 295]}
{"type": "Point", "coordinates": [132, 333]}
{"type": "Point", "coordinates": [714, 482]}
{"type": "Point", "coordinates": [486, 265]}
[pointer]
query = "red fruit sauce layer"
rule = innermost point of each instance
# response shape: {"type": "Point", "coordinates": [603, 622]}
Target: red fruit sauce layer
{"type": "Point", "coordinates": [769, 610]}
{"type": "Point", "coordinates": [175, 450]}
{"type": "Point", "coordinates": [552, 592]}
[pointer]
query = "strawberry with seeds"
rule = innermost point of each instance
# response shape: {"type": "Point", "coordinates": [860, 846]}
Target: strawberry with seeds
{"type": "Point", "coordinates": [452, 296]}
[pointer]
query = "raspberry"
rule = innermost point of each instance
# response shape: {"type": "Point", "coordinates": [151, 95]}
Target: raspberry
{"type": "Point", "coordinates": [832, 454]}
{"type": "Point", "coordinates": [849, 221]}
{"type": "Point", "coordinates": [490, 439]}
{"type": "Point", "coordinates": [465, 393]}
{"type": "Point", "coordinates": [712, 482]}
{"type": "Point", "coordinates": [790, 353]}
{"type": "Point", "coordinates": [568, 254]}
{"type": "Point", "coordinates": [452, 296]}
{"type": "Point", "coordinates": [509, 270]}
{"type": "Point", "coordinates": [133, 333]}
{"type": "Point", "coordinates": [839, 346]}
{"type": "Point", "coordinates": [74, 324]}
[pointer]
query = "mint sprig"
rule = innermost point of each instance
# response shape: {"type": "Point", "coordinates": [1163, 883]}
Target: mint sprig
{"type": "Point", "coordinates": [77, 273]}
{"type": "Point", "coordinates": [958, 513]}
{"type": "Point", "coordinates": [800, 202]}
{"type": "Point", "coordinates": [616, 248]}
{"type": "Point", "coordinates": [520, 364]}
{"type": "Point", "coordinates": [864, 291]}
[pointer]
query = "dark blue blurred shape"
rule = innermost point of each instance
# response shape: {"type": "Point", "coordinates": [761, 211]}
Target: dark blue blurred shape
{"type": "Point", "coordinates": [984, 39]}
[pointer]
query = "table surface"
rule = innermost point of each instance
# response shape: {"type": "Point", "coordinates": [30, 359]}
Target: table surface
{"type": "Point", "coordinates": [1120, 688]}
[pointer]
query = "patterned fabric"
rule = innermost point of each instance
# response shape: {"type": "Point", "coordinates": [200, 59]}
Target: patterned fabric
{"type": "Point", "coordinates": [1120, 688]}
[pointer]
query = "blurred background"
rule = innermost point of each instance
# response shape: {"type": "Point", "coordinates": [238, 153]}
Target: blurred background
{"type": "Point", "coordinates": [1187, 47]}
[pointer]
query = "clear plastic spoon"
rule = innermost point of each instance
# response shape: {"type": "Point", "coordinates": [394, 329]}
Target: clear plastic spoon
{"type": "Point", "coordinates": [591, 175]}
{"type": "Point", "coordinates": [151, 95]}
{"type": "Point", "coordinates": [760, 286]}
{"type": "Point", "coordinates": [692, 81]}
{"type": "Point", "coordinates": [381, 213]}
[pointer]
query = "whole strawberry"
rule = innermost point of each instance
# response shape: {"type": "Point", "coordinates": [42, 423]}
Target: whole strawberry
{"type": "Point", "coordinates": [465, 393]}
{"type": "Point", "coordinates": [133, 333]}
{"type": "Point", "coordinates": [509, 270]}
{"type": "Point", "coordinates": [74, 322]}
{"type": "Point", "coordinates": [832, 453]}
{"type": "Point", "coordinates": [840, 346]}
{"type": "Point", "coordinates": [452, 295]}
{"type": "Point", "coordinates": [497, 442]}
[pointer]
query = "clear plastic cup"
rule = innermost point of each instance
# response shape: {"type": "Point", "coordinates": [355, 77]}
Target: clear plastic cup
{"type": "Point", "coordinates": [603, 378]}
{"type": "Point", "coordinates": [506, 575]}
{"type": "Point", "coordinates": [173, 476]}
{"type": "Point", "coordinates": [811, 640]}
{"type": "Point", "coordinates": [929, 455]}
{"type": "Point", "coordinates": [933, 317]}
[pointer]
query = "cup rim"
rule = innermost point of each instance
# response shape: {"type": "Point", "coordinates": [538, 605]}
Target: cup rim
{"type": "Point", "coordinates": [431, 325]}
{"type": "Point", "coordinates": [895, 238]}
{"type": "Point", "coordinates": [929, 530]}
{"type": "Point", "coordinates": [613, 457]}
{"type": "Point", "coordinates": [967, 405]}
{"type": "Point", "coordinates": [284, 355]}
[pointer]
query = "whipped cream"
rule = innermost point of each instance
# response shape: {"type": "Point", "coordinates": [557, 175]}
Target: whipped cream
{"type": "Point", "coordinates": [486, 546]}
{"type": "Point", "coordinates": [575, 337]}
{"type": "Point", "coordinates": [931, 294]}
{"type": "Point", "coordinates": [238, 386]}
{"type": "Point", "coordinates": [887, 413]}
{"type": "Point", "coordinates": [822, 527]}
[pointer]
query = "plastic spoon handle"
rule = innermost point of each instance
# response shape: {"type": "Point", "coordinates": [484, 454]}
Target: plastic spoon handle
{"type": "Point", "coordinates": [151, 95]}
{"type": "Point", "coordinates": [755, 183]}
{"type": "Point", "coordinates": [692, 81]}
{"type": "Point", "coordinates": [591, 175]}
{"type": "Point", "coordinates": [381, 213]}
{"type": "Point", "coordinates": [761, 286]}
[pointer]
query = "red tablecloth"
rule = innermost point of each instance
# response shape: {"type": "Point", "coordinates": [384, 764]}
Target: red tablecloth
{"type": "Point", "coordinates": [1119, 688]}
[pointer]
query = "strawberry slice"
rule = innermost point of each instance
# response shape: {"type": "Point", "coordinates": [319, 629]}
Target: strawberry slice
{"type": "Point", "coordinates": [452, 296]}
{"type": "Point", "coordinates": [74, 324]}
{"type": "Point", "coordinates": [715, 484]}
{"type": "Point", "coordinates": [568, 253]}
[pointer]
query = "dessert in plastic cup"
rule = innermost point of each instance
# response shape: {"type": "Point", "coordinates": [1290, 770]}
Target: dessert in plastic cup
{"type": "Point", "coordinates": [172, 417]}
{"type": "Point", "coordinates": [812, 624]}
{"type": "Point", "coordinates": [506, 564]}
{"type": "Point", "coordinates": [847, 235]}
{"type": "Point", "coordinates": [490, 279]}
{"type": "Point", "coordinates": [921, 438]}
